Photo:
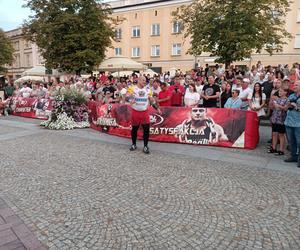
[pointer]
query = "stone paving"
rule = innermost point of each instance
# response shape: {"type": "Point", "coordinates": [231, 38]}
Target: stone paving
{"type": "Point", "coordinates": [74, 191]}
{"type": "Point", "coordinates": [13, 233]}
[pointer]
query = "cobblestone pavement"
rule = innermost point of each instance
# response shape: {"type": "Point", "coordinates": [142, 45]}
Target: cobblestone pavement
{"type": "Point", "coordinates": [74, 192]}
{"type": "Point", "coordinates": [13, 233]}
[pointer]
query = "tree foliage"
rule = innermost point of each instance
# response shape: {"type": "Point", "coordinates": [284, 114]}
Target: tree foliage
{"type": "Point", "coordinates": [72, 34]}
{"type": "Point", "coordinates": [233, 29]}
{"type": "Point", "coordinates": [6, 50]}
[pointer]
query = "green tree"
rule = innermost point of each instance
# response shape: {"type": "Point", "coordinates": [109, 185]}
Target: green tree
{"type": "Point", "coordinates": [72, 34]}
{"type": "Point", "coordinates": [233, 29]}
{"type": "Point", "coordinates": [6, 51]}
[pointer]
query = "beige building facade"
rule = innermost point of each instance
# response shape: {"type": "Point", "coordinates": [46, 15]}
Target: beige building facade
{"type": "Point", "coordinates": [26, 54]}
{"type": "Point", "coordinates": [149, 35]}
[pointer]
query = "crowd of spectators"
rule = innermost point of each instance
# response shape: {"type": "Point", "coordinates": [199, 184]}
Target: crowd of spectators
{"type": "Point", "coordinates": [268, 91]}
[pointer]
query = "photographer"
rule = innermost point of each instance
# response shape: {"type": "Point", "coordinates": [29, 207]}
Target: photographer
{"type": "Point", "coordinates": [292, 124]}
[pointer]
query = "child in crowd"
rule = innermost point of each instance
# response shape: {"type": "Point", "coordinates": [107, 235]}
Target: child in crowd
{"type": "Point", "coordinates": [277, 120]}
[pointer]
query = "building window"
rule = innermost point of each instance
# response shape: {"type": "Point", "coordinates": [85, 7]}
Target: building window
{"type": "Point", "coordinates": [118, 51]}
{"type": "Point", "coordinates": [176, 27]}
{"type": "Point", "coordinates": [118, 33]}
{"type": "Point", "coordinates": [155, 13]}
{"type": "Point", "coordinates": [16, 45]}
{"type": "Point", "coordinates": [16, 63]}
{"type": "Point", "coordinates": [297, 41]}
{"type": "Point", "coordinates": [136, 52]}
{"type": "Point", "coordinates": [136, 31]}
{"type": "Point", "coordinates": [28, 59]}
{"type": "Point", "coordinates": [298, 16]}
{"type": "Point", "coordinates": [135, 15]}
{"type": "Point", "coordinates": [176, 49]}
{"type": "Point", "coordinates": [155, 50]}
{"type": "Point", "coordinates": [27, 44]}
{"type": "Point", "coordinates": [155, 29]}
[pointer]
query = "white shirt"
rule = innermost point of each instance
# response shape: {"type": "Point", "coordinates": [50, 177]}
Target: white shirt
{"type": "Point", "coordinates": [141, 97]}
{"type": "Point", "coordinates": [191, 98]}
{"type": "Point", "coordinates": [25, 92]}
{"type": "Point", "coordinates": [244, 94]}
{"type": "Point", "coordinates": [256, 103]}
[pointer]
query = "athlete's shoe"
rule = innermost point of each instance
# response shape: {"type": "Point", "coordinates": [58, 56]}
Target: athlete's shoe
{"type": "Point", "coordinates": [146, 150]}
{"type": "Point", "coordinates": [133, 147]}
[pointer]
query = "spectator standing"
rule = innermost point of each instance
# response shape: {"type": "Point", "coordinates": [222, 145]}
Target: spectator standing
{"type": "Point", "coordinates": [292, 124]}
{"type": "Point", "coordinates": [234, 102]}
{"type": "Point", "coordinates": [244, 93]}
{"type": "Point", "coordinates": [9, 90]}
{"type": "Point", "coordinates": [177, 91]}
{"type": "Point", "coordinates": [268, 86]}
{"type": "Point", "coordinates": [164, 96]}
{"type": "Point", "coordinates": [226, 94]}
{"type": "Point", "coordinates": [191, 97]}
{"type": "Point", "coordinates": [257, 100]}
{"type": "Point", "coordinates": [277, 120]}
{"type": "Point", "coordinates": [25, 91]}
{"type": "Point", "coordinates": [210, 93]}
{"type": "Point", "coordinates": [238, 84]}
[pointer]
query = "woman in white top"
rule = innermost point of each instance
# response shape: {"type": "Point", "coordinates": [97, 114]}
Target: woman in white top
{"type": "Point", "coordinates": [191, 97]}
{"type": "Point", "coordinates": [257, 100]}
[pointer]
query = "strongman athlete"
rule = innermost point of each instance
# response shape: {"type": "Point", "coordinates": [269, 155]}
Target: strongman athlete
{"type": "Point", "coordinates": [140, 98]}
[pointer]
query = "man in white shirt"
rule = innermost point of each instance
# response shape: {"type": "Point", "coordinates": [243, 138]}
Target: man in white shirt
{"type": "Point", "coordinates": [25, 91]}
{"type": "Point", "coordinates": [238, 84]}
{"type": "Point", "coordinates": [246, 90]}
{"type": "Point", "coordinates": [140, 98]}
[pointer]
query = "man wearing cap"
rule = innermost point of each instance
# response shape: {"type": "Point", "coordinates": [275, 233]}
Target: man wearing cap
{"type": "Point", "coordinates": [288, 82]}
{"type": "Point", "coordinates": [244, 93]}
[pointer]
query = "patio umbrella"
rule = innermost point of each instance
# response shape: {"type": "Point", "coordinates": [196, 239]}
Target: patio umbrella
{"type": "Point", "coordinates": [39, 70]}
{"type": "Point", "coordinates": [120, 63]}
{"type": "Point", "coordinates": [150, 72]}
{"type": "Point", "coordinates": [123, 73]}
{"type": "Point", "coordinates": [32, 78]}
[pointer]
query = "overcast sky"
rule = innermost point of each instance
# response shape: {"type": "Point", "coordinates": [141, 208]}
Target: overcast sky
{"type": "Point", "coordinates": [12, 14]}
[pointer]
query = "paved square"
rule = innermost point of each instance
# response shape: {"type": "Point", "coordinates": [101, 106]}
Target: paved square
{"type": "Point", "coordinates": [75, 191]}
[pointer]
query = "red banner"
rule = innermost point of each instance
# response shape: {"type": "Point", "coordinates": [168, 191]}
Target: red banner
{"type": "Point", "coordinates": [31, 107]}
{"type": "Point", "coordinates": [199, 126]}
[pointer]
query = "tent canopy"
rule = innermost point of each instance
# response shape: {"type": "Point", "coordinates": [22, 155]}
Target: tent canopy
{"type": "Point", "coordinates": [121, 63]}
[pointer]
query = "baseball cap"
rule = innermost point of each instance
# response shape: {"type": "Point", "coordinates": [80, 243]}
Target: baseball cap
{"type": "Point", "coordinates": [246, 80]}
{"type": "Point", "coordinates": [286, 78]}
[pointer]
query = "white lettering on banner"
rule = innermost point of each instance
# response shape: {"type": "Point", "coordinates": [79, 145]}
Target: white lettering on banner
{"type": "Point", "coordinates": [177, 131]}
{"type": "Point", "coordinates": [23, 109]}
{"type": "Point", "coordinates": [166, 131]}
{"type": "Point", "coordinates": [103, 121]}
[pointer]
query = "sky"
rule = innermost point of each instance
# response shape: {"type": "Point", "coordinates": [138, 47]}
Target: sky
{"type": "Point", "coordinates": [12, 14]}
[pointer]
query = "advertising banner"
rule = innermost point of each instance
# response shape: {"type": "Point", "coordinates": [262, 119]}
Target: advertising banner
{"type": "Point", "coordinates": [198, 126]}
{"type": "Point", "coordinates": [31, 107]}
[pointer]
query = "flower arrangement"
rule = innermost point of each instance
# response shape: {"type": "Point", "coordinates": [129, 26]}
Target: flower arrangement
{"type": "Point", "coordinates": [70, 111]}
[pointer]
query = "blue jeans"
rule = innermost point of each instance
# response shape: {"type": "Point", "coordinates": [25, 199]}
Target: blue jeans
{"type": "Point", "coordinates": [293, 136]}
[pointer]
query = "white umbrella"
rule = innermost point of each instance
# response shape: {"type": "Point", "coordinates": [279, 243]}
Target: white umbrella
{"type": "Point", "coordinates": [32, 78]}
{"type": "Point", "coordinates": [123, 73]}
{"type": "Point", "coordinates": [121, 63]}
{"type": "Point", "coordinates": [39, 70]}
{"type": "Point", "coordinates": [150, 72]}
